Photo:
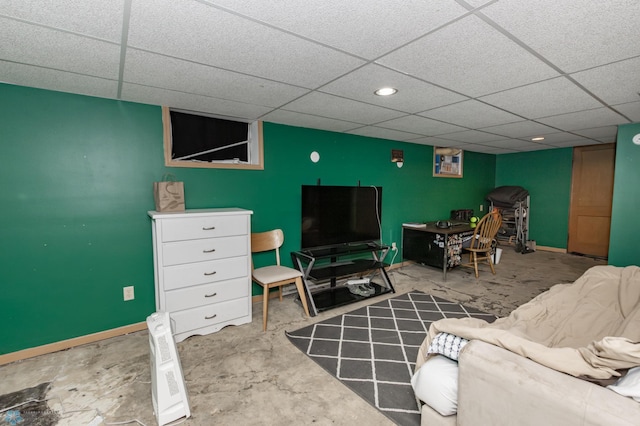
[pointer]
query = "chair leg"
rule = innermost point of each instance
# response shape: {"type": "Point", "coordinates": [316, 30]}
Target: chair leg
{"type": "Point", "coordinates": [280, 292]}
{"type": "Point", "coordinates": [303, 297]}
{"type": "Point", "coordinates": [265, 307]}
{"type": "Point", "coordinates": [490, 263]}
{"type": "Point", "coordinates": [475, 262]}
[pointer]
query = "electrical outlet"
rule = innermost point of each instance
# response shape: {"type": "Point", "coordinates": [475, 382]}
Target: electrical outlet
{"type": "Point", "coordinates": [481, 207]}
{"type": "Point", "coordinates": [128, 293]}
{"type": "Point", "coordinates": [394, 247]}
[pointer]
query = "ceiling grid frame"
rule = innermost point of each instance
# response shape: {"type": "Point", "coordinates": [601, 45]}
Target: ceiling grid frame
{"type": "Point", "coordinates": [322, 50]}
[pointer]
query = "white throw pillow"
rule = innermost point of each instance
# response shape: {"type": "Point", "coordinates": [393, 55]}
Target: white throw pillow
{"type": "Point", "coordinates": [629, 385]}
{"type": "Point", "coordinates": [436, 384]}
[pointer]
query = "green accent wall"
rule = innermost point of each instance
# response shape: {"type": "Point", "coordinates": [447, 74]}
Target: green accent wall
{"type": "Point", "coordinates": [76, 176]}
{"type": "Point", "coordinates": [625, 231]}
{"type": "Point", "coordinates": [546, 175]}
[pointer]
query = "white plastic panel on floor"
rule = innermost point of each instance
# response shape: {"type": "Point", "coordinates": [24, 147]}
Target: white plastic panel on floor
{"type": "Point", "coordinates": [168, 391]}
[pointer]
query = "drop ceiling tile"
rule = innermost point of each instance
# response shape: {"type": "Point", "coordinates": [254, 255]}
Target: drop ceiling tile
{"type": "Point", "coordinates": [228, 41]}
{"type": "Point", "coordinates": [602, 134]}
{"type": "Point", "coordinates": [413, 95]}
{"type": "Point", "coordinates": [478, 3]}
{"type": "Point", "coordinates": [571, 143]}
{"type": "Point", "coordinates": [39, 46]}
{"type": "Point", "coordinates": [190, 102]}
{"type": "Point", "coordinates": [615, 83]}
{"type": "Point", "coordinates": [509, 149]}
{"type": "Point", "coordinates": [631, 110]}
{"type": "Point", "coordinates": [45, 78]}
{"type": "Point", "coordinates": [102, 19]}
{"type": "Point", "coordinates": [437, 142]}
{"type": "Point", "coordinates": [381, 133]}
{"type": "Point", "coordinates": [560, 137]}
{"type": "Point", "coordinates": [344, 25]}
{"type": "Point", "coordinates": [420, 125]}
{"type": "Point", "coordinates": [516, 144]}
{"type": "Point", "coordinates": [545, 98]}
{"type": "Point", "coordinates": [573, 35]}
{"type": "Point", "coordinates": [490, 149]}
{"type": "Point", "coordinates": [170, 73]}
{"type": "Point", "coordinates": [520, 129]}
{"type": "Point", "coordinates": [244, 59]}
{"type": "Point", "coordinates": [297, 119]}
{"type": "Point", "coordinates": [474, 136]}
{"type": "Point", "coordinates": [584, 119]}
{"type": "Point", "coordinates": [330, 106]}
{"type": "Point", "coordinates": [469, 57]}
{"type": "Point", "coordinates": [472, 114]}
{"type": "Point", "coordinates": [535, 147]}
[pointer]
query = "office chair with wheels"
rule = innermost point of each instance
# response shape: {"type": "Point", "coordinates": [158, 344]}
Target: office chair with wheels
{"type": "Point", "coordinates": [274, 275]}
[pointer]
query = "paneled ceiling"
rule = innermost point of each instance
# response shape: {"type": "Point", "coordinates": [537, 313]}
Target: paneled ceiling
{"type": "Point", "coordinates": [484, 76]}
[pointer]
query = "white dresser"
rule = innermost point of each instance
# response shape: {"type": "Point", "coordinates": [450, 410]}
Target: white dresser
{"type": "Point", "coordinates": [202, 264]}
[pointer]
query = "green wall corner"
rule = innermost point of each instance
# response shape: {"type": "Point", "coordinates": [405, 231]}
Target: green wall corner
{"type": "Point", "coordinates": [546, 174]}
{"type": "Point", "coordinates": [625, 232]}
{"type": "Point", "coordinates": [75, 172]}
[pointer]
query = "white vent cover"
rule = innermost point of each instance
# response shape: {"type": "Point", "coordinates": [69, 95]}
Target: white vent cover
{"type": "Point", "coordinates": [168, 390]}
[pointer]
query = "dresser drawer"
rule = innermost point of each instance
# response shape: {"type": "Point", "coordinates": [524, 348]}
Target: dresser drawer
{"type": "Point", "coordinates": [208, 315]}
{"type": "Point", "coordinates": [180, 276]}
{"type": "Point", "coordinates": [191, 297]}
{"type": "Point", "coordinates": [204, 227]}
{"type": "Point", "coordinates": [202, 250]}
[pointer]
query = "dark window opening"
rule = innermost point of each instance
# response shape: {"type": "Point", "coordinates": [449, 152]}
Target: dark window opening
{"type": "Point", "coordinates": [200, 138]}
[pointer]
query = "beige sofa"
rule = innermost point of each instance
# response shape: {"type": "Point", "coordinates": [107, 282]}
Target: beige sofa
{"type": "Point", "coordinates": [497, 387]}
{"type": "Point", "coordinates": [525, 368]}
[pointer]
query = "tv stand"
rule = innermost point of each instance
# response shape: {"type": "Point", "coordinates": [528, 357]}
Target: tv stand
{"type": "Point", "coordinates": [325, 271]}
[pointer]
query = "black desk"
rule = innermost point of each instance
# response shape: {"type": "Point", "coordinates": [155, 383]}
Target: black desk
{"type": "Point", "coordinates": [433, 246]}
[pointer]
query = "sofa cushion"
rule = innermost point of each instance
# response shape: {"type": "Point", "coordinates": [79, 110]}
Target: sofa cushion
{"type": "Point", "coordinates": [500, 388]}
{"type": "Point", "coordinates": [436, 384]}
{"type": "Point", "coordinates": [629, 385]}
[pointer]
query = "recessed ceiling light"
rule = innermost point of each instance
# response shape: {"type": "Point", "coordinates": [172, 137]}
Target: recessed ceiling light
{"type": "Point", "coordinates": [386, 91]}
{"type": "Point", "coordinates": [539, 138]}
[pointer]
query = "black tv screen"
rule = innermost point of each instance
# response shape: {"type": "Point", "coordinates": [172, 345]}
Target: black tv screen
{"type": "Point", "coordinates": [333, 215]}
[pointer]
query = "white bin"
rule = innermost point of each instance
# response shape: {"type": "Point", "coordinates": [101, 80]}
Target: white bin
{"type": "Point", "coordinates": [496, 255]}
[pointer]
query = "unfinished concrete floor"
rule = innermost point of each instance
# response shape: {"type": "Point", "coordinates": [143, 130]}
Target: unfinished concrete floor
{"type": "Point", "coordinates": [243, 376]}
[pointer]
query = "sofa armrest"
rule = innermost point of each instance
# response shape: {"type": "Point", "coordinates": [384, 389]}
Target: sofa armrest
{"type": "Point", "coordinates": [497, 387]}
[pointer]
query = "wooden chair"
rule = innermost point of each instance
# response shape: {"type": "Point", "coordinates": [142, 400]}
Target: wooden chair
{"type": "Point", "coordinates": [482, 240]}
{"type": "Point", "coordinates": [275, 275]}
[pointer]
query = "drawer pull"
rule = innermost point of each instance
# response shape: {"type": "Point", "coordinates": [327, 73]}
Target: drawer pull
{"type": "Point", "coordinates": [210, 273]}
{"type": "Point", "coordinates": [211, 316]}
{"type": "Point", "coordinates": [209, 251]}
{"type": "Point", "coordinates": [210, 295]}
{"type": "Point", "coordinates": [210, 228]}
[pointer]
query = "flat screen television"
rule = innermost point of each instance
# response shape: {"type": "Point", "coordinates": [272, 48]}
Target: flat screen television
{"type": "Point", "coordinates": [334, 215]}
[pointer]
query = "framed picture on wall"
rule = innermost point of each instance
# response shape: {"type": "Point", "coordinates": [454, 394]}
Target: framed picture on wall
{"type": "Point", "coordinates": [447, 162]}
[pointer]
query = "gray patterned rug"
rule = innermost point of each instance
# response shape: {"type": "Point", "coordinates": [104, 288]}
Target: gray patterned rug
{"type": "Point", "coordinates": [372, 350]}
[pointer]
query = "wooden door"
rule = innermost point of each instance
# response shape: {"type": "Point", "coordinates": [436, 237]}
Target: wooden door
{"type": "Point", "coordinates": [591, 197]}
